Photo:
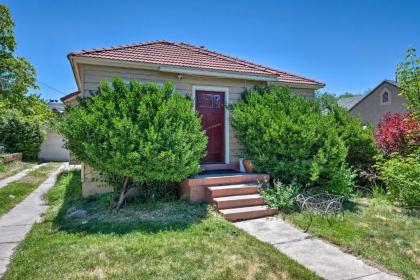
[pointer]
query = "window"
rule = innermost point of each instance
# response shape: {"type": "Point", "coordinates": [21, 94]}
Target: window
{"type": "Point", "coordinates": [385, 98]}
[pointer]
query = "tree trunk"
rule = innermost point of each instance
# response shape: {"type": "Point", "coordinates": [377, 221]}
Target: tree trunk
{"type": "Point", "coordinates": [123, 193]}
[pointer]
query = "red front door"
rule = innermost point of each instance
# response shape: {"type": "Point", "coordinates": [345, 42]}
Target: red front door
{"type": "Point", "coordinates": [211, 107]}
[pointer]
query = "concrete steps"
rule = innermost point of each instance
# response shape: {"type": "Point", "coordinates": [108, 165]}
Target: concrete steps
{"type": "Point", "coordinates": [238, 201]}
{"type": "Point", "coordinates": [240, 189]}
{"type": "Point", "coordinates": [229, 179]}
{"type": "Point", "coordinates": [237, 196]}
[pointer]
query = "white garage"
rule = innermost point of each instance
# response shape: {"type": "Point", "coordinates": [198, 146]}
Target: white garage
{"type": "Point", "coordinates": [52, 148]}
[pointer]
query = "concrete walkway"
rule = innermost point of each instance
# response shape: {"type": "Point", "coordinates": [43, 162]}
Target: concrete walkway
{"type": "Point", "coordinates": [18, 222]}
{"type": "Point", "coordinates": [319, 256]}
{"type": "Point", "coordinates": [19, 175]}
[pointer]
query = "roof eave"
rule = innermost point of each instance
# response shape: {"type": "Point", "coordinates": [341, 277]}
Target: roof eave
{"type": "Point", "coordinates": [217, 73]}
{"type": "Point", "coordinates": [76, 59]}
{"type": "Point", "coordinates": [372, 91]}
{"type": "Point", "coordinates": [75, 70]}
{"type": "Point", "coordinates": [312, 86]}
{"type": "Point", "coordinates": [167, 68]}
{"type": "Point", "coordinates": [70, 96]}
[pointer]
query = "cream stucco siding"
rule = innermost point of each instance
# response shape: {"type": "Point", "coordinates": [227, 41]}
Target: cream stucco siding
{"type": "Point", "coordinates": [371, 109]}
{"type": "Point", "coordinates": [91, 75]}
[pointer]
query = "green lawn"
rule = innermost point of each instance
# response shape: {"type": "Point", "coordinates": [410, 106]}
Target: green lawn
{"type": "Point", "coordinates": [375, 230]}
{"type": "Point", "coordinates": [15, 192]}
{"type": "Point", "coordinates": [7, 170]}
{"type": "Point", "coordinates": [172, 240]}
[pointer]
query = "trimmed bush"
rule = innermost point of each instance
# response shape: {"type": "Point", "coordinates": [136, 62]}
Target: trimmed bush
{"type": "Point", "coordinates": [289, 137]}
{"type": "Point", "coordinates": [401, 176]}
{"type": "Point", "coordinates": [21, 134]}
{"type": "Point", "coordinates": [358, 139]}
{"type": "Point", "coordinates": [140, 132]}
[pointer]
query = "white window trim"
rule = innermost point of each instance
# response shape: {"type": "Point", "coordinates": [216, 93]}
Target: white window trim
{"type": "Point", "coordinates": [226, 91]}
{"type": "Point", "coordinates": [389, 97]}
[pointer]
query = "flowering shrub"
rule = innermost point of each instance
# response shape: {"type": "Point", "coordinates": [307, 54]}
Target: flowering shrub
{"type": "Point", "coordinates": [395, 132]}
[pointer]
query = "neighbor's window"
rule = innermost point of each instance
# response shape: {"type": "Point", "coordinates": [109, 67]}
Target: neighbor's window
{"type": "Point", "coordinates": [385, 98]}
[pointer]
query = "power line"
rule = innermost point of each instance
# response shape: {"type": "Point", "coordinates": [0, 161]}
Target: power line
{"type": "Point", "coordinates": [50, 87]}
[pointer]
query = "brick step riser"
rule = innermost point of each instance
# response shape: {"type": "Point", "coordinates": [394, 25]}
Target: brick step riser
{"type": "Point", "coordinates": [232, 192]}
{"type": "Point", "coordinates": [225, 181]}
{"type": "Point", "coordinates": [250, 215]}
{"type": "Point", "coordinates": [239, 203]}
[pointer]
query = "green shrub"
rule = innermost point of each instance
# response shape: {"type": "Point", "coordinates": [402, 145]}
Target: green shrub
{"type": "Point", "coordinates": [20, 133]}
{"type": "Point", "coordinates": [358, 139]}
{"type": "Point", "coordinates": [379, 194]}
{"type": "Point", "coordinates": [341, 182]}
{"type": "Point", "coordinates": [140, 132]}
{"type": "Point", "coordinates": [402, 178]}
{"type": "Point", "coordinates": [280, 195]}
{"type": "Point", "coordinates": [289, 137]}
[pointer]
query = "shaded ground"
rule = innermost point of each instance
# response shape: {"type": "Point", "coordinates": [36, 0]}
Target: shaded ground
{"type": "Point", "coordinates": [15, 192]}
{"type": "Point", "coordinates": [13, 168]}
{"type": "Point", "coordinates": [376, 230]}
{"type": "Point", "coordinates": [155, 241]}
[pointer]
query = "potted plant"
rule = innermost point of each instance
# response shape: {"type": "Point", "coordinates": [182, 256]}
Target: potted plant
{"type": "Point", "coordinates": [248, 165]}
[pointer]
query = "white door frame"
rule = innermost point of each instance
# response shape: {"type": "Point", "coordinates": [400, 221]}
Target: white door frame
{"type": "Point", "coordinates": [226, 91]}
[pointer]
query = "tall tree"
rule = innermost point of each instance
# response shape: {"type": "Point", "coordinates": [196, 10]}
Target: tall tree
{"type": "Point", "coordinates": [17, 75]}
{"type": "Point", "coordinates": [22, 116]}
{"type": "Point", "coordinates": [408, 78]}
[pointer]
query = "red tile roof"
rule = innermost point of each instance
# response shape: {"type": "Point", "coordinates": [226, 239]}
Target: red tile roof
{"type": "Point", "coordinates": [185, 55]}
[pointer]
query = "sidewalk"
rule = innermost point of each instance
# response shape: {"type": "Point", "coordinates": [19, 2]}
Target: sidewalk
{"type": "Point", "coordinates": [19, 175]}
{"type": "Point", "coordinates": [18, 222]}
{"type": "Point", "coordinates": [319, 256]}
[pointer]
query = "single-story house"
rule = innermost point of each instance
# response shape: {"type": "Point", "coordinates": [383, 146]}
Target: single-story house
{"type": "Point", "coordinates": [372, 107]}
{"type": "Point", "coordinates": [210, 78]}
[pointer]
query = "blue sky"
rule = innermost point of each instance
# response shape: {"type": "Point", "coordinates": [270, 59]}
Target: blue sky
{"type": "Point", "coordinates": [349, 45]}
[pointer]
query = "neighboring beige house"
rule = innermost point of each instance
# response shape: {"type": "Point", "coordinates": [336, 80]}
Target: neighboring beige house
{"type": "Point", "coordinates": [210, 78]}
{"type": "Point", "coordinates": [371, 107]}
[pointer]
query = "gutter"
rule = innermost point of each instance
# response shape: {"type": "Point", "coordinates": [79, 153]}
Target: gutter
{"type": "Point", "coordinates": [75, 60]}
{"type": "Point", "coordinates": [219, 74]}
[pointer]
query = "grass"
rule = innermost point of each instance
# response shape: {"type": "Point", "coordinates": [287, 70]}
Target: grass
{"type": "Point", "coordinates": [10, 169]}
{"type": "Point", "coordinates": [15, 192]}
{"type": "Point", "coordinates": [162, 240]}
{"type": "Point", "coordinates": [374, 229]}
